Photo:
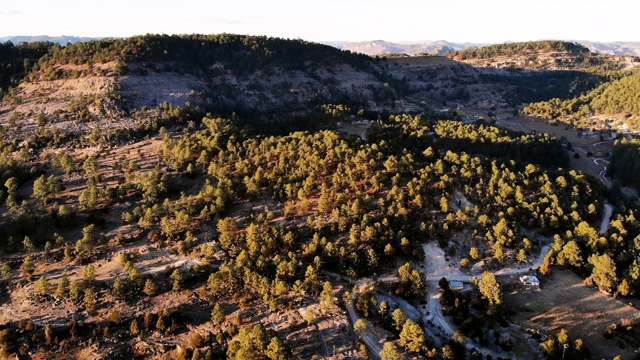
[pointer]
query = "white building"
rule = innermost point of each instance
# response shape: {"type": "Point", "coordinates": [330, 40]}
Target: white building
{"type": "Point", "coordinates": [530, 280]}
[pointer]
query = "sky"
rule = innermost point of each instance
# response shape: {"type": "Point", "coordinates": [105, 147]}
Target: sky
{"type": "Point", "coordinates": [480, 21]}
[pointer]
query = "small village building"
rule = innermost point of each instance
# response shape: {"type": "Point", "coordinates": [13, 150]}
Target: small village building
{"type": "Point", "coordinates": [530, 280]}
{"type": "Point", "coordinates": [456, 285]}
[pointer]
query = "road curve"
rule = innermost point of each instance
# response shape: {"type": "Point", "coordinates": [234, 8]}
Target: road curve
{"type": "Point", "coordinates": [369, 339]}
{"type": "Point", "coordinates": [434, 308]}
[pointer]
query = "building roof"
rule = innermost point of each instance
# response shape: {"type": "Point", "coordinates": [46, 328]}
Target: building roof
{"type": "Point", "coordinates": [529, 279]}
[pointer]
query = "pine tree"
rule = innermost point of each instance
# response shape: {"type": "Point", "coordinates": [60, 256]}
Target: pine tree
{"type": "Point", "coordinates": [490, 288]}
{"type": "Point", "coordinates": [48, 335]}
{"type": "Point", "coordinates": [217, 314]}
{"type": "Point", "coordinates": [134, 328]}
{"type": "Point", "coordinates": [399, 318]}
{"type": "Point", "coordinates": [276, 350]}
{"type": "Point", "coordinates": [41, 287]}
{"type": "Point", "coordinates": [63, 287]}
{"type": "Point", "coordinates": [178, 278]}
{"type": "Point", "coordinates": [5, 272]}
{"type": "Point", "coordinates": [149, 287]}
{"type": "Point", "coordinates": [76, 290]}
{"type": "Point", "coordinates": [162, 323]}
{"type": "Point", "coordinates": [28, 267]}
{"type": "Point", "coordinates": [149, 320]}
{"type": "Point", "coordinates": [119, 287]}
{"type": "Point", "coordinates": [12, 192]}
{"type": "Point", "coordinates": [604, 271]}
{"type": "Point", "coordinates": [40, 188]}
{"type": "Point", "coordinates": [412, 336]}
{"type": "Point", "coordinates": [89, 299]}
{"type": "Point", "coordinates": [389, 352]}
{"type": "Point", "coordinates": [545, 268]}
{"type": "Point", "coordinates": [88, 273]}
{"type": "Point", "coordinates": [326, 296]}
{"type": "Point", "coordinates": [28, 245]}
{"type": "Point", "coordinates": [360, 327]}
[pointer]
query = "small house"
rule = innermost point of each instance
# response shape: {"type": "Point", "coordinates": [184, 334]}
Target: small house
{"type": "Point", "coordinates": [456, 285]}
{"type": "Point", "coordinates": [531, 280]}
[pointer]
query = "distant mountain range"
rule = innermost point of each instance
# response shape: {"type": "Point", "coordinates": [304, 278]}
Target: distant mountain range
{"type": "Point", "coordinates": [613, 48]}
{"type": "Point", "coordinates": [62, 40]}
{"type": "Point", "coordinates": [378, 47]}
{"type": "Point", "coordinates": [439, 47]}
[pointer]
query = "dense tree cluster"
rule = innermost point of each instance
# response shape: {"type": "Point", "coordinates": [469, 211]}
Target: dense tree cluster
{"type": "Point", "coordinates": [610, 260]}
{"type": "Point", "coordinates": [543, 85]}
{"type": "Point", "coordinates": [497, 143]}
{"type": "Point", "coordinates": [518, 48]}
{"type": "Point", "coordinates": [625, 163]}
{"type": "Point", "coordinates": [241, 54]}
{"type": "Point", "coordinates": [335, 203]}
{"type": "Point", "coordinates": [17, 60]}
{"type": "Point", "coordinates": [620, 96]}
{"type": "Point", "coordinates": [364, 204]}
{"type": "Point", "coordinates": [269, 212]}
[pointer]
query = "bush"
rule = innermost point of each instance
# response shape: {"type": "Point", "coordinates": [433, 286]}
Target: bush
{"type": "Point", "coordinates": [7, 342]}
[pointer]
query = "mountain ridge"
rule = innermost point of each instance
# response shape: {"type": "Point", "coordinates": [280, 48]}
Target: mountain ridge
{"type": "Point", "coordinates": [61, 40]}
{"type": "Point", "coordinates": [380, 46]}
{"type": "Point", "coordinates": [439, 47]}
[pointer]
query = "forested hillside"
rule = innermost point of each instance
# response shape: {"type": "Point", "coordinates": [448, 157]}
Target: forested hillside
{"type": "Point", "coordinates": [543, 70]}
{"type": "Point", "coordinates": [17, 60]}
{"type": "Point", "coordinates": [254, 77]}
{"type": "Point", "coordinates": [625, 164]}
{"type": "Point", "coordinates": [520, 48]}
{"type": "Point", "coordinates": [241, 54]}
{"type": "Point", "coordinates": [619, 97]}
{"type": "Point", "coordinates": [211, 197]}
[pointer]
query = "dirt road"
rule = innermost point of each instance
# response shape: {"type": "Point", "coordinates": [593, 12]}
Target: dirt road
{"type": "Point", "coordinates": [436, 269]}
{"type": "Point", "coordinates": [369, 338]}
{"type": "Point", "coordinates": [606, 217]}
{"type": "Point", "coordinates": [434, 313]}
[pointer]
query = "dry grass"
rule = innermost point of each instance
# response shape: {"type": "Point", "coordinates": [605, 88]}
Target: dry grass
{"type": "Point", "coordinates": [565, 302]}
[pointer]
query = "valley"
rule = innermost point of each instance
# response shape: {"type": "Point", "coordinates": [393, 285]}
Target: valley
{"type": "Point", "coordinates": [246, 197]}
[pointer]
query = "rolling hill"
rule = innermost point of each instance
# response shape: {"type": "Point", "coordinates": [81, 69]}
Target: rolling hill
{"type": "Point", "coordinates": [619, 99]}
{"type": "Point", "coordinates": [244, 197]}
{"type": "Point", "coordinates": [380, 47]}
{"type": "Point", "coordinates": [102, 86]}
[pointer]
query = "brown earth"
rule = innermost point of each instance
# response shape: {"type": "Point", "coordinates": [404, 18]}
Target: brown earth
{"type": "Point", "coordinates": [565, 302]}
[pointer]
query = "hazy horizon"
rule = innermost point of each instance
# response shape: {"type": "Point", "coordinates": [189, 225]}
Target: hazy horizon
{"type": "Point", "coordinates": [408, 21]}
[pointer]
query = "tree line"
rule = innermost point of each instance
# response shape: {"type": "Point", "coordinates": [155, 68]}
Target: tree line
{"type": "Point", "coordinates": [620, 96]}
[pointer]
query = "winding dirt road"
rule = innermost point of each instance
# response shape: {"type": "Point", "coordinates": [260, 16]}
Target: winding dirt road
{"type": "Point", "coordinates": [371, 340]}
{"type": "Point", "coordinates": [433, 311]}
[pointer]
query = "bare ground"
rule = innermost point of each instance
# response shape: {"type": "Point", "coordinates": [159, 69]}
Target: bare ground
{"type": "Point", "coordinates": [565, 302]}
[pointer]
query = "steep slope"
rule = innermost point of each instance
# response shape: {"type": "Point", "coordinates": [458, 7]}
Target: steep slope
{"type": "Point", "coordinates": [542, 55]}
{"type": "Point", "coordinates": [542, 70]}
{"type": "Point", "coordinates": [619, 99]}
{"type": "Point", "coordinates": [106, 88]}
{"type": "Point", "coordinates": [130, 83]}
